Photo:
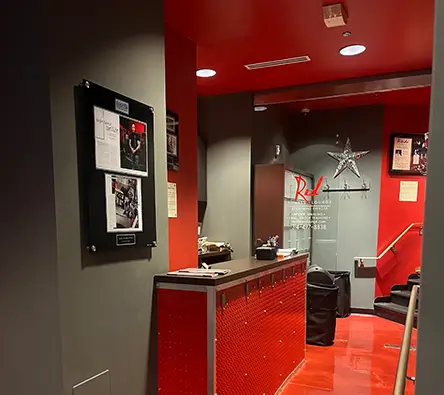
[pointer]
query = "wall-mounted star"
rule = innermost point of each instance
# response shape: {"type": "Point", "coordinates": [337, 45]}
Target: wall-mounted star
{"type": "Point", "coordinates": [347, 159]}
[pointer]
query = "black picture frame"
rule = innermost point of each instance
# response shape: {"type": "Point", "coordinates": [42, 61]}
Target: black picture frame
{"type": "Point", "coordinates": [172, 136]}
{"type": "Point", "coordinates": [418, 149]}
{"type": "Point", "coordinates": [96, 235]}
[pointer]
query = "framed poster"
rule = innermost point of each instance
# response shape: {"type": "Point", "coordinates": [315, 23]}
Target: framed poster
{"type": "Point", "coordinates": [172, 124]}
{"type": "Point", "coordinates": [408, 154]}
{"type": "Point", "coordinates": [116, 169]}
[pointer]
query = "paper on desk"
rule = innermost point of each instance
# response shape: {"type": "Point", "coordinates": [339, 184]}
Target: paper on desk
{"type": "Point", "coordinates": [286, 251]}
{"type": "Point", "coordinates": [200, 272]}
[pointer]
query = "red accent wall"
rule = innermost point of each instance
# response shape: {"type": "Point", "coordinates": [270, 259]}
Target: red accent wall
{"type": "Point", "coordinates": [181, 98]}
{"type": "Point", "coordinates": [395, 216]}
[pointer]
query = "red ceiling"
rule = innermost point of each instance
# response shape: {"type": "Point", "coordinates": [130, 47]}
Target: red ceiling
{"type": "Point", "coordinates": [231, 33]}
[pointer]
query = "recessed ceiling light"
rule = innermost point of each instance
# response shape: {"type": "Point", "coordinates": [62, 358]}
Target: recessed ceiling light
{"type": "Point", "coordinates": [205, 73]}
{"type": "Point", "coordinates": [352, 50]}
{"type": "Point", "coordinates": [260, 108]}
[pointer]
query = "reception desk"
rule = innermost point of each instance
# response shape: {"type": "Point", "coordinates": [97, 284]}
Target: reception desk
{"type": "Point", "coordinates": [238, 334]}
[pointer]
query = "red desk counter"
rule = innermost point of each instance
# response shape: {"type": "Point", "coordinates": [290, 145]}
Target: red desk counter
{"type": "Point", "coordinates": [239, 334]}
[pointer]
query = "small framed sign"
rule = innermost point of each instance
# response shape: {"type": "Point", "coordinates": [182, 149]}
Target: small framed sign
{"type": "Point", "coordinates": [408, 154]}
{"type": "Point", "coordinates": [172, 123]}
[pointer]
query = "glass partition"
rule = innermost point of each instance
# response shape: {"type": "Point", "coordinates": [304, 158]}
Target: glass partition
{"type": "Point", "coordinates": [298, 212]}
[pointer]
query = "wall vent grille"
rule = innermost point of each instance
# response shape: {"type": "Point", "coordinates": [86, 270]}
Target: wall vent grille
{"type": "Point", "coordinates": [279, 62]}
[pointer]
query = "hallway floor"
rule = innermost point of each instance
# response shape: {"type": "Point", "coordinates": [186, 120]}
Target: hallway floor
{"type": "Point", "coordinates": [362, 361]}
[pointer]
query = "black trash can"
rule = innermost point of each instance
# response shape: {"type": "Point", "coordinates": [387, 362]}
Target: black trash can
{"type": "Point", "coordinates": [322, 300]}
{"type": "Point", "coordinates": [319, 275]}
{"type": "Point", "coordinates": [342, 280]}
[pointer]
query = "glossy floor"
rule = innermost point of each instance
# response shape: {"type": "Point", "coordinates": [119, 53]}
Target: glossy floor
{"type": "Point", "coordinates": [362, 361]}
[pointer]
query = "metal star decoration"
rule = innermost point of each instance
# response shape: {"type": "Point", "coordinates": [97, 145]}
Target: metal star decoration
{"type": "Point", "coordinates": [347, 159]}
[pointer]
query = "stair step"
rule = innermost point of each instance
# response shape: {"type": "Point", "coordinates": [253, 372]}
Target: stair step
{"type": "Point", "coordinates": [413, 281]}
{"type": "Point", "coordinates": [393, 312]}
{"type": "Point", "coordinates": [402, 297]}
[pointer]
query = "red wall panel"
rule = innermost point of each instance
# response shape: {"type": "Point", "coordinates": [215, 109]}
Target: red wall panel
{"type": "Point", "coordinates": [182, 339]}
{"type": "Point", "coordinates": [395, 216]}
{"type": "Point", "coordinates": [181, 98]}
{"type": "Point", "coordinates": [260, 339]}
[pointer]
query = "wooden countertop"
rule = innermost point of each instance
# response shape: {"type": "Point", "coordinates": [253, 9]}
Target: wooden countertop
{"type": "Point", "coordinates": [239, 268]}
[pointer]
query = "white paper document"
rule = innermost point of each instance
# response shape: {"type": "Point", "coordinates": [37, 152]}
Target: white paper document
{"type": "Point", "coordinates": [123, 203]}
{"type": "Point", "coordinates": [408, 191]}
{"type": "Point", "coordinates": [193, 272]}
{"type": "Point", "coordinates": [172, 200]}
{"type": "Point", "coordinates": [402, 153]}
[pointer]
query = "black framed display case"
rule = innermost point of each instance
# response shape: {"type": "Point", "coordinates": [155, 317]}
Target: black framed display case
{"type": "Point", "coordinates": [115, 146]}
{"type": "Point", "coordinates": [408, 154]}
{"type": "Point", "coordinates": [172, 123]}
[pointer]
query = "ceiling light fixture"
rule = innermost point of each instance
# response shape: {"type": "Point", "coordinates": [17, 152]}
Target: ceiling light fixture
{"type": "Point", "coordinates": [205, 73]}
{"type": "Point", "coordinates": [260, 108]}
{"type": "Point", "coordinates": [352, 50]}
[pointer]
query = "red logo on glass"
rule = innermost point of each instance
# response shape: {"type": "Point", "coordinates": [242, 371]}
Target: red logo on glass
{"type": "Point", "coordinates": [303, 191]}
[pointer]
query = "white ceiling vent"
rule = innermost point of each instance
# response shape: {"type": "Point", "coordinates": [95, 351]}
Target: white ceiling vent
{"type": "Point", "coordinates": [279, 62]}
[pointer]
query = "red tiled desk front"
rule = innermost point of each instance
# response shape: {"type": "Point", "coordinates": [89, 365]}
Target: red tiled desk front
{"type": "Point", "coordinates": [241, 337]}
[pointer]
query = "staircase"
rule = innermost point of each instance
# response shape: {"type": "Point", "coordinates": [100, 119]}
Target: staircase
{"type": "Point", "coordinates": [394, 307]}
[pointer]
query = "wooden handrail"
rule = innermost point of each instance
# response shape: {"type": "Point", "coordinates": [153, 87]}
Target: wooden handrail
{"type": "Point", "coordinates": [392, 244]}
{"type": "Point", "coordinates": [403, 362]}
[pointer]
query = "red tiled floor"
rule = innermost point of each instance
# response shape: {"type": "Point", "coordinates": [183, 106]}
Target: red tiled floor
{"type": "Point", "coordinates": [357, 364]}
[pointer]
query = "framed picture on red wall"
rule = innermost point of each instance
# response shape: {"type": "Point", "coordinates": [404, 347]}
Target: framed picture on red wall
{"type": "Point", "coordinates": [408, 154]}
{"type": "Point", "coordinates": [172, 124]}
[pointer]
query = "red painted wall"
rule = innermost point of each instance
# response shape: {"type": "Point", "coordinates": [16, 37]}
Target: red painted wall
{"type": "Point", "coordinates": [181, 98]}
{"type": "Point", "coordinates": [395, 216]}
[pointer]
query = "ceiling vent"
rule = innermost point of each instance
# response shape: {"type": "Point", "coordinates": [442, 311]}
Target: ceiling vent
{"type": "Point", "coordinates": [279, 62]}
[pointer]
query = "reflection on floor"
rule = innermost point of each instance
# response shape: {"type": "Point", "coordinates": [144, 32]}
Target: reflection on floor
{"type": "Point", "coordinates": [362, 361]}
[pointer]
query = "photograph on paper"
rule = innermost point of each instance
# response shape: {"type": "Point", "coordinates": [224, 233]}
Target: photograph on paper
{"type": "Point", "coordinates": [123, 203]}
{"type": "Point", "coordinates": [419, 150]}
{"type": "Point", "coordinates": [120, 143]}
{"type": "Point", "coordinates": [171, 144]}
{"type": "Point", "coordinates": [133, 145]}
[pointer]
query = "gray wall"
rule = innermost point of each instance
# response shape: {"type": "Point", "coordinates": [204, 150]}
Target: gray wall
{"type": "Point", "coordinates": [233, 131]}
{"type": "Point", "coordinates": [30, 356]}
{"type": "Point", "coordinates": [105, 311]}
{"type": "Point", "coordinates": [270, 128]}
{"type": "Point", "coordinates": [430, 356]}
{"type": "Point", "coordinates": [225, 123]}
{"type": "Point", "coordinates": [353, 224]}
